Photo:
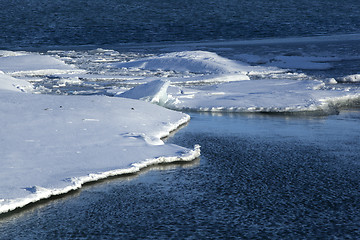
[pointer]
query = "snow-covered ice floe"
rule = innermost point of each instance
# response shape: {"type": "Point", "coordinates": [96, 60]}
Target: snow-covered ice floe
{"type": "Point", "coordinates": [207, 92]}
{"type": "Point", "coordinates": [52, 144]}
{"type": "Point", "coordinates": [277, 96]}
{"type": "Point", "coordinates": [271, 96]}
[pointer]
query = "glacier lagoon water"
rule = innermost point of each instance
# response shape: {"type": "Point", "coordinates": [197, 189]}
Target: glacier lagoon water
{"type": "Point", "coordinates": [259, 176]}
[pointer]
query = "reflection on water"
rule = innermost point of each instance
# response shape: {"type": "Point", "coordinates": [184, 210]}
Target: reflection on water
{"type": "Point", "coordinates": [260, 176]}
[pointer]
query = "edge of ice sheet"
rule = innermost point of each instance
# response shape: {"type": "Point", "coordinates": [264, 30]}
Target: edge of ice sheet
{"type": "Point", "coordinates": [55, 149]}
{"type": "Point", "coordinates": [40, 193]}
{"type": "Point", "coordinates": [136, 167]}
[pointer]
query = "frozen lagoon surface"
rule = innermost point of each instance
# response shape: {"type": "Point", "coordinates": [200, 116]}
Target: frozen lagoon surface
{"type": "Point", "coordinates": [259, 175]}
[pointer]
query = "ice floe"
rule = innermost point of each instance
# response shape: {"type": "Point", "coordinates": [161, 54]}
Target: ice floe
{"type": "Point", "coordinates": [269, 95]}
{"type": "Point", "coordinates": [53, 144]}
{"type": "Point", "coordinates": [286, 96]}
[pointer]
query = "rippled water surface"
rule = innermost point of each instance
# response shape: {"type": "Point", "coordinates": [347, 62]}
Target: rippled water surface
{"type": "Point", "coordinates": [260, 176]}
{"type": "Point", "coordinates": [33, 23]}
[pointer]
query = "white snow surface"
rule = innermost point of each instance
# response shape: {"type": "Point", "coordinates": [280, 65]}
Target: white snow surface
{"type": "Point", "coordinates": [53, 144]}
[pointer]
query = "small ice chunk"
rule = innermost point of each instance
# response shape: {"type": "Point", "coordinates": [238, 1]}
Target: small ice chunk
{"type": "Point", "coordinates": [331, 81]}
{"type": "Point", "coordinates": [155, 92]}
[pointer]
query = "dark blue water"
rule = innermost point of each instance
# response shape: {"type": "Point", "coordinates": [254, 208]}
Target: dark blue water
{"type": "Point", "coordinates": [34, 23]}
{"type": "Point", "coordinates": [259, 177]}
